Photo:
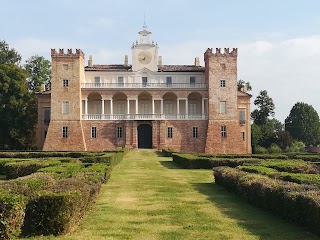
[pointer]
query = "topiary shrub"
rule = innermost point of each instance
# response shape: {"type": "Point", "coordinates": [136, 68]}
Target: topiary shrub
{"type": "Point", "coordinates": [260, 150]}
{"type": "Point", "coordinates": [12, 212]}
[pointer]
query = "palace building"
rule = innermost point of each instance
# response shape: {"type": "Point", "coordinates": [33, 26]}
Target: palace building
{"type": "Point", "coordinates": [145, 104]}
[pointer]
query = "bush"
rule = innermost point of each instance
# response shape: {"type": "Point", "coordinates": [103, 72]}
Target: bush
{"type": "Point", "coordinates": [291, 166]}
{"type": "Point", "coordinates": [310, 158]}
{"type": "Point", "coordinates": [52, 213]}
{"type": "Point", "coordinates": [63, 170]}
{"type": "Point", "coordinates": [191, 161]}
{"type": "Point", "coordinates": [297, 146]}
{"type": "Point", "coordinates": [260, 150]}
{"type": "Point", "coordinates": [232, 162]}
{"type": "Point", "coordinates": [270, 156]}
{"type": "Point", "coordinates": [296, 203]}
{"type": "Point", "coordinates": [274, 149]}
{"type": "Point", "coordinates": [12, 211]}
{"type": "Point", "coordinates": [23, 168]}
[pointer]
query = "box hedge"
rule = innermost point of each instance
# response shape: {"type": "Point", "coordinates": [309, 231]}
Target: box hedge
{"type": "Point", "coordinates": [292, 166]}
{"type": "Point", "coordinates": [12, 212]}
{"type": "Point", "coordinates": [167, 152]}
{"type": "Point", "coordinates": [296, 203]}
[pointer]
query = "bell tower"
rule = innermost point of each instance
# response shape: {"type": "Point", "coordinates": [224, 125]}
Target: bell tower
{"type": "Point", "coordinates": [144, 52]}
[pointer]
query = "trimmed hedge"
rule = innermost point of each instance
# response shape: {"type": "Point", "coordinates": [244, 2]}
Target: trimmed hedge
{"type": "Point", "coordinates": [52, 213]}
{"type": "Point", "coordinates": [191, 161]}
{"type": "Point", "coordinates": [291, 166]}
{"type": "Point", "coordinates": [291, 177]}
{"type": "Point", "coordinates": [167, 152]}
{"type": "Point", "coordinates": [12, 212]}
{"type": "Point", "coordinates": [194, 161]}
{"type": "Point", "coordinates": [27, 167]}
{"type": "Point", "coordinates": [296, 203]}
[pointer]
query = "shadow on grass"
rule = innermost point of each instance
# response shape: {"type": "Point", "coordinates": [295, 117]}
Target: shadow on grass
{"type": "Point", "coordinates": [257, 221]}
{"type": "Point", "coordinates": [170, 165]}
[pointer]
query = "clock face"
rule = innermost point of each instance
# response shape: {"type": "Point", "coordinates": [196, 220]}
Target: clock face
{"type": "Point", "coordinates": [144, 57]}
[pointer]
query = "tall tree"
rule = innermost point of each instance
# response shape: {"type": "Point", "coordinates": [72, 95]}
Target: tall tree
{"type": "Point", "coordinates": [16, 103]}
{"type": "Point", "coordinates": [303, 124]}
{"type": "Point", "coordinates": [242, 84]}
{"type": "Point", "coordinates": [265, 108]}
{"type": "Point", "coordinates": [39, 70]}
{"type": "Point", "coordinates": [8, 55]}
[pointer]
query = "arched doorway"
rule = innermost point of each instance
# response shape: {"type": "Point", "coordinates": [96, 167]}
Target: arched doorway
{"type": "Point", "coordinates": [144, 136]}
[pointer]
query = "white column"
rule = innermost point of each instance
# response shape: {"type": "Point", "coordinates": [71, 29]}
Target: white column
{"type": "Point", "coordinates": [86, 106]}
{"type": "Point", "coordinates": [102, 106]}
{"type": "Point", "coordinates": [128, 106]}
{"type": "Point", "coordinates": [187, 108]}
{"type": "Point", "coordinates": [178, 107]}
{"type": "Point", "coordinates": [161, 106]}
{"type": "Point", "coordinates": [137, 105]}
{"type": "Point", "coordinates": [202, 105]}
{"type": "Point", "coordinates": [111, 106]}
{"type": "Point", "coordinates": [152, 106]}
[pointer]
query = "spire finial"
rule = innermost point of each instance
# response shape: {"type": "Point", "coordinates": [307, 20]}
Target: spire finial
{"type": "Point", "coordinates": [144, 21]}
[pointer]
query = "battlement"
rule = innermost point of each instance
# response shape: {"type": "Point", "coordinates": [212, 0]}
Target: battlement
{"type": "Point", "coordinates": [218, 53]}
{"type": "Point", "coordinates": [69, 53]}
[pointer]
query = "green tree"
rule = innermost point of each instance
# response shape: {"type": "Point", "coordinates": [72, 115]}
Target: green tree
{"type": "Point", "coordinates": [284, 139]}
{"type": "Point", "coordinates": [17, 122]}
{"type": "Point", "coordinates": [8, 55]}
{"type": "Point", "coordinates": [256, 136]}
{"type": "Point", "coordinates": [265, 108]}
{"type": "Point", "coordinates": [303, 124]}
{"type": "Point", "coordinates": [242, 83]}
{"type": "Point", "coordinates": [39, 70]}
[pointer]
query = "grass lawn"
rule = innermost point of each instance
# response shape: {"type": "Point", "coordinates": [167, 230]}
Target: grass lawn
{"type": "Point", "coordinates": [148, 197]}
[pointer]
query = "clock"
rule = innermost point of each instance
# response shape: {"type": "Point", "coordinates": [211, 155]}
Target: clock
{"type": "Point", "coordinates": [144, 57]}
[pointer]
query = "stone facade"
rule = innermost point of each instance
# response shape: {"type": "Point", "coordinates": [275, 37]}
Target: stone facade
{"type": "Point", "coordinates": [188, 108]}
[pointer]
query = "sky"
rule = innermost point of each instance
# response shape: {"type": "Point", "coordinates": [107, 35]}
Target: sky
{"type": "Point", "coordinates": [278, 41]}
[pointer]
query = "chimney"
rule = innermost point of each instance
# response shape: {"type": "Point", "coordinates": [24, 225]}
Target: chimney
{"type": "Point", "coordinates": [160, 61]}
{"type": "Point", "coordinates": [42, 88]}
{"type": "Point", "coordinates": [90, 61]}
{"type": "Point", "coordinates": [126, 60]}
{"type": "Point", "coordinates": [196, 62]}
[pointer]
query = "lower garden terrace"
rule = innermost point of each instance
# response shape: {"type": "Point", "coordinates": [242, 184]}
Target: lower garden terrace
{"type": "Point", "coordinates": [144, 117]}
{"type": "Point", "coordinates": [153, 195]}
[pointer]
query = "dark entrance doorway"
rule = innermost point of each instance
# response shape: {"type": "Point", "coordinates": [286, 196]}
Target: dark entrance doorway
{"type": "Point", "coordinates": [144, 136]}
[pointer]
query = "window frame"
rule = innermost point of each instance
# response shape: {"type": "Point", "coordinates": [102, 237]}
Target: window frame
{"type": "Point", "coordinates": [242, 116]}
{"type": "Point", "coordinates": [169, 81]}
{"type": "Point", "coordinates": [65, 132]}
{"type": "Point", "coordinates": [195, 132]}
{"type": "Point", "coordinates": [65, 82]}
{"type": "Point", "coordinates": [144, 81]}
{"type": "Point", "coordinates": [243, 136]}
{"type": "Point", "coordinates": [93, 132]}
{"type": "Point", "coordinates": [169, 132]}
{"type": "Point", "coordinates": [223, 107]}
{"type": "Point", "coordinates": [120, 81]}
{"type": "Point", "coordinates": [224, 131]}
{"type": "Point", "coordinates": [119, 132]}
{"type": "Point", "coordinates": [65, 107]}
{"type": "Point", "coordinates": [223, 83]}
{"type": "Point", "coordinates": [192, 80]}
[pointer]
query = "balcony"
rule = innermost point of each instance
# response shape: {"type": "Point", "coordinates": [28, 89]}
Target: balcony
{"type": "Point", "coordinates": [145, 85]}
{"type": "Point", "coordinates": [101, 117]}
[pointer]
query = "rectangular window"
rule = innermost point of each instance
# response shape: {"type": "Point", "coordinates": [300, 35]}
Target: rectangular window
{"type": "Point", "coordinates": [192, 108]}
{"type": "Point", "coordinates": [195, 132]}
{"type": "Point", "coordinates": [144, 108]}
{"type": "Point", "coordinates": [169, 132]}
{"type": "Point", "coordinates": [243, 136]}
{"type": "Point", "coordinates": [144, 81]}
{"type": "Point", "coordinates": [97, 79]}
{"type": "Point", "coordinates": [169, 81]}
{"type": "Point", "coordinates": [65, 107]}
{"type": "Point", "coordinates": [65, 66]}
{"type": "Point", "coordinates": [93, 132]}
{"type": "Point", "coordinates": [223, 131]}
{"type": "Point", "coordinates": [169, 108]}
{"type": "Point", "coordinates": [223, 66]}
{"type": "Point", "coordinates": [120, 82]}
{"type": "Point", "coordinates": [222, 83]}
{"type": "Point", "coordinates": [242, 117]}
{"type": "Point", "coordinates": [64, 132]}
{"type": "Point", "coordinates": [65, 83]}
{"type": "Point", "coordinates": [119, 132]}
{"type": "Point", "coordinates": [47, 116]}
{"type": "Point", "coordinates": [192, 81]}
{"type": "Point", "coordinates": [121, 108]}
{"type": "Point", "coordinates": [223, 106]}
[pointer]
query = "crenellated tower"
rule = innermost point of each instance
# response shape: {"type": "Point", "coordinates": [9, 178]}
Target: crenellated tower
{"type": "Point", "coordinates": [65, 130]}
{"type": "Point", "coordinates": [223, 134]}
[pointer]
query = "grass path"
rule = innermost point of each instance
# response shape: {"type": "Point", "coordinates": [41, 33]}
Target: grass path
{"type": "Point", "coordinates": [148, 197]}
